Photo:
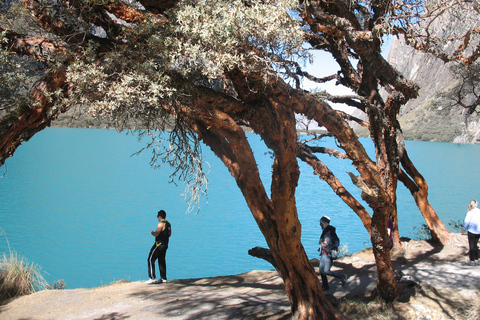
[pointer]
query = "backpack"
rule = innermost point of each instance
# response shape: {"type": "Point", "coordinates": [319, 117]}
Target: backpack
{"type": "Point", "coordinates": [333, 254]}
{"type": "Point", "coordinates": [335, 240]}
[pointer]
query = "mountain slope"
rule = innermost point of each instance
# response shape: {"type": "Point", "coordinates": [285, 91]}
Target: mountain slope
{"type": "Point", "coordinates": [431, 117]}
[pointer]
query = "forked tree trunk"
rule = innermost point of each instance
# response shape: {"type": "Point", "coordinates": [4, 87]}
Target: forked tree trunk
{"type": "Point", "coordinates": [377, 182]}
{"type": "Point", "coordinates": [276, 217]}
{"type": "Point", "coordinates": [418, 187]}
{"type": "Point", "coordinates": [325, 174]}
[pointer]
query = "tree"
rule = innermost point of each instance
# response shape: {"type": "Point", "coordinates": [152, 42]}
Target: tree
{"type": "Point", "coordinates": [465, 92]}
{"type": "Point", "coordinates": [205, 70]}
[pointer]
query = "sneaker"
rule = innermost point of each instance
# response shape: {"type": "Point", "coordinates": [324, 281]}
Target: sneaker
{"type": "Point", "coordinates": [150, 281]}
{"type": "Point", "coordinates": [163, 281]}
{"type": "Point", "coordinates": [324, 288]}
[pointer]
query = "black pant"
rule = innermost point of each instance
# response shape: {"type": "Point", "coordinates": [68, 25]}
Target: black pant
{"type": "Point", "coordinates": [157, 253]}
{"type": "Point", "coordinates": [473, 245]}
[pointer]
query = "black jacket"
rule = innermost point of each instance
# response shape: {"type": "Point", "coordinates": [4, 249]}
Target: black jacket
{"type": "Point", "coordinates": [330, 237]}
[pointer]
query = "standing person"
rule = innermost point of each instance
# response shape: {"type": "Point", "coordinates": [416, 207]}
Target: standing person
{"type": "Point", "coordinates": [159, 249]}
{"type": "Point", "coordinates": [328, 242]}
{"type": "Point", "coordinates": [472, 225]}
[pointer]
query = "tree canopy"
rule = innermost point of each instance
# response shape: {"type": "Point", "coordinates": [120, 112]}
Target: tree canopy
{"type": "Point", "coordinates": [205, 71]}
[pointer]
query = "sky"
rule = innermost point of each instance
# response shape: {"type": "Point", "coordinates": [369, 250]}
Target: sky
{"type": "Point", "coordinates": [324, 65]}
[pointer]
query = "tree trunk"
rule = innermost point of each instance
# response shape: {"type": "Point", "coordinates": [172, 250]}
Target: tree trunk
{"type": "Point", "coordinates": [377, 181]}
{"type": "Point", "coordinates": [397, 242]}
{"type": "Point", "coordinates": [276, 217]}
{"type": "Point", "coordinates": [386, 283]}
{"type": "Point", "coordinates": [418, 187]}
{"type": "Point", "coordinates": [325, 174]}
{"type": "Point", "coordinates": [31, 119]}
{"type": "Point", "coordinates": [265, 254]}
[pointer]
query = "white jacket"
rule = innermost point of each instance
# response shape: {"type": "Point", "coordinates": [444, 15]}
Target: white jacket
{"type": "Point", "coordinates": [472, 221]}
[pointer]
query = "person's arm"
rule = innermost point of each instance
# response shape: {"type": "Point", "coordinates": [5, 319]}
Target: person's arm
{"type": "Point", "coordinates": [327, 241]}
{"type": "Point", "coordinates": [160, 227]}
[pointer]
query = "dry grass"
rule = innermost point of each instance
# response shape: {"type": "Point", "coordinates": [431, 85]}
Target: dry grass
{"type": "Point", "coordinates": [372, 310]}
{"type": "Point", "coordinates": [473, 312]}
{"type": "Point", "coordinates": [18, 277]}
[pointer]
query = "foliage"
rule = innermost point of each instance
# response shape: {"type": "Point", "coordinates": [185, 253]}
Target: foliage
{"type": "Point", "coordinates": [455, 225]}
{"type": "Point", "coordinates": [14, 73]}
{"type": "Point", "coordinates": [343, 250]}
{"type": "Point", "coordinates": [203, 40]}
{"type": "Point", "coordinates": [157, 63]}
{"type": "Point", "coordinates": [216, 34]}
{"type": "Point", "coordinates": [465, 92]}
{"type": "Point", "coordinates": [422, 232]}
{"type": "Point", "coordinates": [57, 285]}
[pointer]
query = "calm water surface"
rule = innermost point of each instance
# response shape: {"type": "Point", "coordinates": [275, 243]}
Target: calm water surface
{"type": "Point", "coordinates": [76, 203]}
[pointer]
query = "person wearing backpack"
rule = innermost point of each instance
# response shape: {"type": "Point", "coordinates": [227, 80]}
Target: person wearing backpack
{"type": "Point", "coordinates": [159, 249]}
{"type": "Point", "coordinates": [329, 243]}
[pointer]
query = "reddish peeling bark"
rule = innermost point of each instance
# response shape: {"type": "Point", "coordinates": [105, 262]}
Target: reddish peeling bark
{"type": "Point", "coordinates": [418, 187]}
{"type": "Point", "coordinates": [377, 180]}
{"type": "Point", "coordinates": [37, 47]}
{"type": "Point", "coordinates": [276, 217]}
{"type": "Point", "coordinates": [386, 283]}
{"type": "Point", "coordinates": [31, 119]}
{"type": "Point", "coordinates": [325, 174]}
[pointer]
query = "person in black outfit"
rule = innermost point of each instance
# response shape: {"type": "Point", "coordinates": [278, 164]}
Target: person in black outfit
{"type": "Point", "coordinates": [328, 242]}
{"type": "Point", "coordinates": [159, 249]}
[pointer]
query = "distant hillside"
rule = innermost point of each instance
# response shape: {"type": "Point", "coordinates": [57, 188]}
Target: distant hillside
{"type": "Point", "coordinates": [429, 117]}
{"type": "Point", "coordinates": [75, 119]}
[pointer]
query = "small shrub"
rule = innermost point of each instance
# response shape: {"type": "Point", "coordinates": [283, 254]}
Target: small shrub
{"type": "Point", "coordinates": [422, 233]}
{"type": "Point", "coordinates": [343, 250]}
{"type": "Point", "coordinates": [456, 225]}
{"type": "Point", "coordinates": [57, 285]}
{"type": "Point", "coordinates": [18, 277]}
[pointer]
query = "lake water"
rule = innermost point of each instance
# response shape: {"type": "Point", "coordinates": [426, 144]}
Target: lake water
{"type": "Point", "coordinates": [77, 204]}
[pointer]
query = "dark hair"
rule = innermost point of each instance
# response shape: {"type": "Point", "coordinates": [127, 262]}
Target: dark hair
{"type": "Point", "coordinates": [162, 214]}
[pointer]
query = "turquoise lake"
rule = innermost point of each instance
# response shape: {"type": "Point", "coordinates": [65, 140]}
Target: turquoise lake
{"type": "Point", "coordinates": [79, 205]}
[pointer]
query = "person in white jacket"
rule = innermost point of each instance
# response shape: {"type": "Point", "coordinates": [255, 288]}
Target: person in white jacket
{"type": "Point", "coordinates": [472, 225]}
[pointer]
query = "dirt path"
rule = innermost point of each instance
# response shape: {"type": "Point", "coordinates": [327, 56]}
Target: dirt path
{"type": "Point", "coordinates": [444, 288]}
{"type": "Point", "coordinates": [258, 293]}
